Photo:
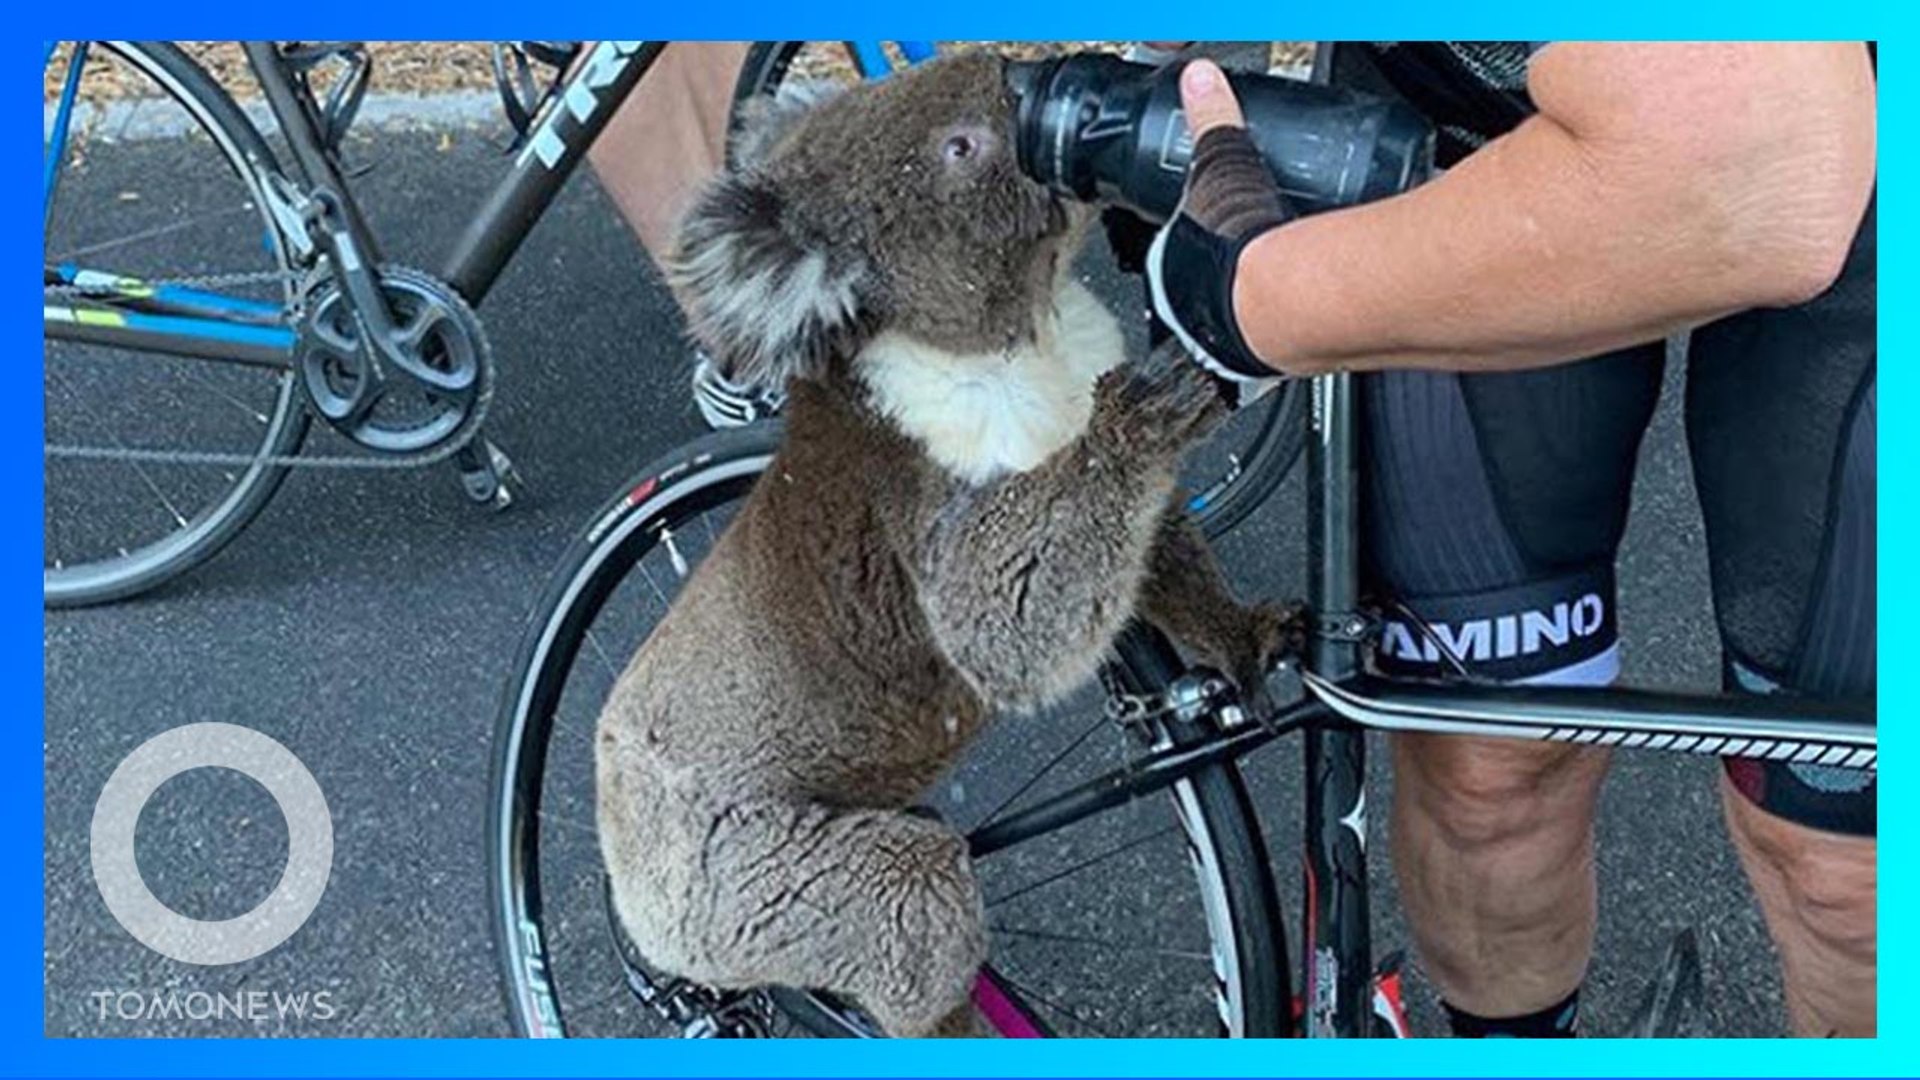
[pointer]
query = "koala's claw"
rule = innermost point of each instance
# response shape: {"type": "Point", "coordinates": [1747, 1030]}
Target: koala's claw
{"type": "Point", "coordinates": [1281, 629]}
{"type": "Point", "coordinates": [1271, 631]}
{"type": "Point", "coordinates": [1162, 396]}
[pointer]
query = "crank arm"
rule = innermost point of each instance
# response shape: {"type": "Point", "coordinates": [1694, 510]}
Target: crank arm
{"type": "Point", "coordinates": [389, 347]}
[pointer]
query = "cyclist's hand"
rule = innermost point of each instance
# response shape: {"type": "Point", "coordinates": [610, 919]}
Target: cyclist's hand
{"type": "Point", "coordinates": [1231, 197]}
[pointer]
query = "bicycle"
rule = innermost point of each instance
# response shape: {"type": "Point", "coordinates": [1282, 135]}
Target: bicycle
{"type": "Point", "coordinates": [567, 969]}
{"type": "Point", "coordinates": [288, 311]}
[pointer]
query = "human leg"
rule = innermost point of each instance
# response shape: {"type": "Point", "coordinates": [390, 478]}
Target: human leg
{"type": "Point", "coordinates": [667, 139]}
{"type": "Point", "coordinates": [669, 136]}
{"type": "Point", "coordinates": [1818, 892]}
{"type": "Point", "coordinates": [1782, 420]}
{"type": "Point", "coordinates": [1493, 848]}
{"type": "Point", "coordinates": [1501, 553]}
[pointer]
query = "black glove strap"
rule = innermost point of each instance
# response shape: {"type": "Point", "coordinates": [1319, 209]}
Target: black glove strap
{"type": "Point", "coordinates": [1204, 264]}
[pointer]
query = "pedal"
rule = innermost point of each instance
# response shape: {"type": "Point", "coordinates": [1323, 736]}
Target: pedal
{"type": "Point", "coordinates": [1671, 1006]}
{"type": "Point", "coordinates": [698, 1012]}
{"type": "Point", "coordinates": [487, 474]}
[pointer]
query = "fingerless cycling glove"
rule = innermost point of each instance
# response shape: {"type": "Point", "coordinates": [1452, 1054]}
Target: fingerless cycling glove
{"type": "Point", "coordinates": [1230, 198]}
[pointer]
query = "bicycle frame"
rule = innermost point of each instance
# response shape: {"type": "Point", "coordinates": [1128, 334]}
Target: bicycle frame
{"type": "Point", "coordinates": [1341, 702]}
{"type": "Point", "coordinates": [128, 313]}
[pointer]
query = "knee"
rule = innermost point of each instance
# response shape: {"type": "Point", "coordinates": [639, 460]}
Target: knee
{"type": "Point", "coordinates": [1483, 793]}
{"type": "Point", "coordinates": [934, 905]}
{"type": "Point", "coordinates": [1822, 885]}
{"type": "Point", "coordinates": [931, 935]}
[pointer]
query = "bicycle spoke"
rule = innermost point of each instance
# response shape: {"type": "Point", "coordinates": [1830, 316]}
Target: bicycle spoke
{"type": "Point", "coordinates": [548, 815]}
{"type": "Point", "coordinates": [1033, 995]}
{"type": "Point", "coordinates": [1103, 943]}
{"type": "Point", "coordinates": [1126, 920]}
{"type": "Point", "coordinates": [134, 465]}
{"type": "Point", "coordinates": [148, 423]}
{"type": "Point", "coordinates": [994, 814]}
{"type": "Point", "coordinates": [1082, 865]}
{"type": "Point", "coordinates": [157, 231]}
{"type": "Point", "coordinates": [567, 723]}
{"type": "Point", "coordinates": [642, 567]}
{"type": "Point", "coordinates": [601, 653]}
{"type": "Point", "coordinates": [256, 415]}
{"type": "Point", "coordinates": [561, 715]}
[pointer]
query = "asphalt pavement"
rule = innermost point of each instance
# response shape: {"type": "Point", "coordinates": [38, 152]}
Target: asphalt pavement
{"type": "Point", "coordinates": [365, 621]}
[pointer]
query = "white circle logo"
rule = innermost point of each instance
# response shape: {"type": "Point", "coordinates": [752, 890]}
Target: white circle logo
{"type": "Point", "coordinates": [309, 843]}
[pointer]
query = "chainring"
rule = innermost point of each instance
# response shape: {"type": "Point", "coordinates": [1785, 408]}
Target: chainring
{"type": "Point", "coordinates": [397, 414]}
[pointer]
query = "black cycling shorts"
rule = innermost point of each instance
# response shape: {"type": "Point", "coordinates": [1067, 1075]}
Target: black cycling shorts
{"type": "Point", "coordinates": [1494, 504]}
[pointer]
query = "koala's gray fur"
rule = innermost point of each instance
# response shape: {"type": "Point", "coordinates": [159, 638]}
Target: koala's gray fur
{"type": "Point", "coordinates": [909, 566]}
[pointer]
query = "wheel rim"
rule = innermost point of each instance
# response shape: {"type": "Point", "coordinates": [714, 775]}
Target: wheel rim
{"type": "Point", "coordinates": [111, 525]}
{"type": "Point", "coordinates": [1067, 881]}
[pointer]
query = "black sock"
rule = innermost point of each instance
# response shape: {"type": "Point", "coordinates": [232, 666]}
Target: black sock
{"type": "Point", "coordinates": [1557, 1021]}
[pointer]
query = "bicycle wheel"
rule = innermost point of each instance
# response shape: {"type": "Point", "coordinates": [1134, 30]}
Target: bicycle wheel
{"type": "Point", "coordinates": [1096, 930]}
{"type": "Point", "coordinates": [1243, 463]}
{"type": "Point", "coordinates": [155, 175]}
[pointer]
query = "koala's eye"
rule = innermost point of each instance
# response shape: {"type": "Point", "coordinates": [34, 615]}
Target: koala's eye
{"type": "Point", "coordinates": [959, 148]}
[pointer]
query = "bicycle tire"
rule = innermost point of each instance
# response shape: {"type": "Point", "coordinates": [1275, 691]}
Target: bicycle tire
{"type": "Point", "coordinates": [762, 72]}
{"type": "Point", "coordinates": [1223, 838]}
{"type": "Point", "coordinates": [234, 136]}
{"type": "Point", "coordinates": [1254, 473]}
{"type": "Point", "coordinates": [1274, 451]}
{"type": "Point", "coordinates": [1146, 663]}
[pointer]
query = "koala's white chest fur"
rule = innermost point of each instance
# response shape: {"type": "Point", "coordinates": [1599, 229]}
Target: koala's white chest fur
{"type": "Point", "coordinates": [985, 415]}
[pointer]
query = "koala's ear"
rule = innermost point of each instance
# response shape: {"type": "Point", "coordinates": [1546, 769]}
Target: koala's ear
{"type": "Point", "coordinates": [768, 302]}
{"type": "Point", "coordinates": [761, 122]}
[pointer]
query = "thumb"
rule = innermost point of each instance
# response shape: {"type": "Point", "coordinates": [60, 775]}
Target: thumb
{"type": "Point", "coordinates": [1207, 99]}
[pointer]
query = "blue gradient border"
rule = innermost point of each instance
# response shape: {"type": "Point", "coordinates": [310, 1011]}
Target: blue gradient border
{"type": "Point", "coordinates": [21, 1005]}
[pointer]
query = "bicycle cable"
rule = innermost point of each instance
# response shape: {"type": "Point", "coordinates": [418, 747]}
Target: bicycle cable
{"type": "Point", "coordinates": [1445, 651]}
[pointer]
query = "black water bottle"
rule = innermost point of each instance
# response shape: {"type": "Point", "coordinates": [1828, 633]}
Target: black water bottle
{"type": "Point", "coordinates": [1102, 129]}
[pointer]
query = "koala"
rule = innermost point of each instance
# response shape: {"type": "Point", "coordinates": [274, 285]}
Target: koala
{"type": "Point", "coordinates": [973, 497]}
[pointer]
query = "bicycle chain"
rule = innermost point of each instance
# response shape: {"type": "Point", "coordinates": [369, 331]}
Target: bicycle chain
{"type": "Point", "coordinates": [203, 281]}
{"type": "Point", "coordinates": [215, 458]}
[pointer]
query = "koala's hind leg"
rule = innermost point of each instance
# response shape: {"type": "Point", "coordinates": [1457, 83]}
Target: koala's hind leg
{"type": "Point", "coordinates": [877, 906]}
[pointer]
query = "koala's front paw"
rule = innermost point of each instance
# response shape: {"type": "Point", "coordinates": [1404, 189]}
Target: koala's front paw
{"type": "Point", "coordinates": [1162, 399]}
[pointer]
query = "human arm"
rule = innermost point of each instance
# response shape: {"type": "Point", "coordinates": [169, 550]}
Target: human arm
{"type": "Point", "coordinates": [1661, 185]}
